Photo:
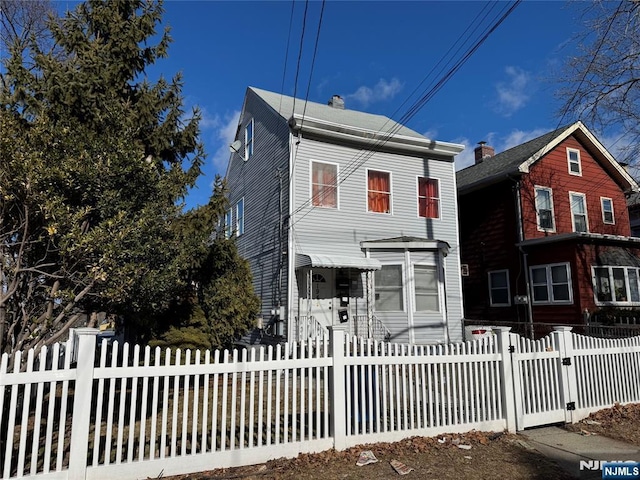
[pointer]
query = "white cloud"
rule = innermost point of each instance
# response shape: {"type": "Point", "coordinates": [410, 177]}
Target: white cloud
{"type": "Point", "coordinates": [517, 137]}
{"type": "Point", "coordinates": [383, 90]}
{"type": "Point", "coordinates": [224, 130]}
{"type": "Point", "coordinates": [513, 93]}
{"type": "Point", "coordinates": [465, 158]}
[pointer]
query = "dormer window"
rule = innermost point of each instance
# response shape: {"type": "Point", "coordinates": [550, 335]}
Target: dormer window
{"type": "Point", "coordinates": [573, 157]}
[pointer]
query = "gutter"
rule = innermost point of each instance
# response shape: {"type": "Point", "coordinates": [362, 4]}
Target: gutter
{"type": "Point", "coordinates": [373, 139]}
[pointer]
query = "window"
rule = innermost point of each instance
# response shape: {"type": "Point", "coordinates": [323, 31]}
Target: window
{"type": "Point", "coordinates": [426, 288]}
{"type": "Point", "coordinates": [388, 287]}
{"type": "Point", "coordinates": [617, 285]}
{"type": "Point", "coordinates": [551, 283]}
{"type": "Point", "coordinates": [324, 185]}
{"type": "Point", "coordinates": [228, 228]}
{"type": "Point", "coordinates": [544, 209]}
{"type": "Point", "coordinates": [578, 212]}
{"type": "Point", "coordinates": [573, 157]}
{"type": "Point", "coordinates": [240, 217]}
{"type": "Point", "coordinates": [607, 210]}
{"type": "Point", "coordinates": [428, 198]}
{"type": "Point", "coordinates": [499, 293]}
{"type": "Point", "coordinates": [248, 140]}
{"type": "Point", "coordinates": [378, 191]}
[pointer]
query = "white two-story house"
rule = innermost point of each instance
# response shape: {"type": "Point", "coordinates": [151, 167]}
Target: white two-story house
{"type": "Point", "coordinates": [345, 218]}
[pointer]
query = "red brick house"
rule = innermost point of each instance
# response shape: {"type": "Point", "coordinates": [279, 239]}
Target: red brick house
{"type": "Point", "coordinates": [545, 233]}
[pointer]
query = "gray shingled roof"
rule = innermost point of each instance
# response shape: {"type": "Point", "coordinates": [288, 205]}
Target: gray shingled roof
{"type": "Point", "coordinates": [503, 164]}
{"type": "Point", "coordinates": [283, 105]}
{"type": "Point", "coordinates": [634, 199]}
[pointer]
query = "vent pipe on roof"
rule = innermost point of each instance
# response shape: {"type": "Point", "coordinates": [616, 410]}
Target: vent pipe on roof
{"type": "Point", "coordinates": [483, 151]}
{"type": "Point", "coordinates": [336, 102]}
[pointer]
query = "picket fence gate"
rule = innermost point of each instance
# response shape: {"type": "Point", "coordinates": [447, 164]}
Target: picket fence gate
{"type": "Point", "coordinates": [83, 412]}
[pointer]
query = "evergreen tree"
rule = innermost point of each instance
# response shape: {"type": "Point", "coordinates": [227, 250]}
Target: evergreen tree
{"type": "Point", "coordinates": [94, 162]}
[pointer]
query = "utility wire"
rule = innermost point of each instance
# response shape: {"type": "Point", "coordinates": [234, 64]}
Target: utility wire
{"type": "Point", "coordinates": [364, 155]}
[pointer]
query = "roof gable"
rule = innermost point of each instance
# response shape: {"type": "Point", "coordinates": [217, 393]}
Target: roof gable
{"type": "Point", "coordinates": [519, 159]}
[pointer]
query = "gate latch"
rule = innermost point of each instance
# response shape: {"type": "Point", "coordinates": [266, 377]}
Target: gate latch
{"type": "Point", "coordinates": [566, 361]}
{"type": "Point", "coordinates": [571, 406]}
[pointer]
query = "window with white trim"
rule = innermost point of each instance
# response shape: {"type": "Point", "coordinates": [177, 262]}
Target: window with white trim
{"type": "Point", "coordinates": [551, 283]}
{"type": "Point", "coordinates": [240, 217]}
{"type": "Point", "coordinates": [544, 209]}
{"type": "Point", "coordinates": [573, 158]}
{"type": "Point", "coordinates": [378, 191]}
{"type": "Point", "coordinates": [228, 225]}
{"type": "Point", "coordinates": [499, 292]}
{"type": "Point", "coordinates": [389, 289]}
{"type": "Point", "coordinates": [616, 285]}
{"type": "Point", "coordinates": [428, 197]}
{"type": "Point", "coordinates": [579, 219]}
{"type": "Point", "coordinates": [426, 287]}
{"type": "Point", "coordinates": [248, 140]}
{"type": "Point", "coordinates": [324, 184]}
{"type": "Point", "coordinates": [607, 210]}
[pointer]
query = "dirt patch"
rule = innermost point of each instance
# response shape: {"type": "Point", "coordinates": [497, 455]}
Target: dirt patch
{"type": "Point", "coordinates": [490, 456]}
{"type": "Point", "coordinates": [620, 422]}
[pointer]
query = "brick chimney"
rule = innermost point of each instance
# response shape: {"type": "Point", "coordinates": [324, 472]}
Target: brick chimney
{"type": "Point", "coordinates": [483, 151]}
{"type": "Point", "coordinates": [336, 102]}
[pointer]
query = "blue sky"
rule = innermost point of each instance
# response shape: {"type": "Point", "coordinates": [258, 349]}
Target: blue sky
{"type": "Point", "coordinates": [375, 54]}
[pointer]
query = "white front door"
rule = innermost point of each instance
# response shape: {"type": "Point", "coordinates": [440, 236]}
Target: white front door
{"type": "Point", "coordinates": [322, 295]}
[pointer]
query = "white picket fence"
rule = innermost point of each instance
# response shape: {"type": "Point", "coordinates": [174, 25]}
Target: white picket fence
{"type": "Point", "coordinates": [131, 413]}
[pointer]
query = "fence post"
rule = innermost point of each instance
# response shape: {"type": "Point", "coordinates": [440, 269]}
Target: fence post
{"type": "Point", "coordinates": [506, 376]}
{"type": "Point", "coordinates": [337, 387]}
{"type": "Point", "coordinates": [564, 344]}
{"type": "Point", "coordinates": [79, 443]}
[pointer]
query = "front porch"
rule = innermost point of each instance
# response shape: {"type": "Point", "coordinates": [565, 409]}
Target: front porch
{"type": "Point", "coordinates": [308, 328]}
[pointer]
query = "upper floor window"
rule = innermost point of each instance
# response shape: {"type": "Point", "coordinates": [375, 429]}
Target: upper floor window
{"type": "Point", "coordinates": [551, 283]}
{"type": "Point", "coordinates": [544, 209]}
{"type": "Point", "coordinates": [428, 198]}
{"type": "Point", "coordinates": [248, 140]}
{"type": "Point", "coordinates": [617, 285]}
{"type": "Point", "coordinates": [228, 226]}
{"type": "Point", "coordinates": [426, 288]}
{"type": "Point", "coordinates": [378, 191]}
{"type": "Point", "coordinates": [499, 294]}
{"type": "Point", "coordinates": [578, 212]}
{"type": "Point", "coordinates": [607, 210]}
{"type": "Point", "coordinates": [240, 217]}
{"type": "Point", "coordinates": [324, 184]}
{"type": "Point", "coordinates": [389, 289]}
{"type": "Point", "coordinates": [573, 157]}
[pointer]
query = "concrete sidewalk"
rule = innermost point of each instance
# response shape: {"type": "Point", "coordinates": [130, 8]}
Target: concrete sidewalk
{"type": "Point", "coordinates": [567, 449]}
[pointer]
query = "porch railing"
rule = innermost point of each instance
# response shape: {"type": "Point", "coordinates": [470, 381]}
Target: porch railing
{"type": "Point", "coordinates": [374, 329]}
{"type": "Point", "coordinates": [307, 327]}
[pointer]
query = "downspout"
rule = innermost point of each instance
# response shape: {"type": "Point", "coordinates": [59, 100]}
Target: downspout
{"type": "Point", "coordinates": [524, 256]}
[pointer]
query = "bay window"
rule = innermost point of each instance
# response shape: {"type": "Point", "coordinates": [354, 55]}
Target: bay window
{"type": "Point", "coordinates": [617, 285]}
{"type": "Point", "coordinates": [389, 289]}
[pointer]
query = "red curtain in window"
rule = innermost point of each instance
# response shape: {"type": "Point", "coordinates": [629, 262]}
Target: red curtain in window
{"type": "Point", "coordinates": [324, 185]}
{"type": "Point", "coordinates": [428, 198]}
{"type": "Point", "coordinates": [379, 192]}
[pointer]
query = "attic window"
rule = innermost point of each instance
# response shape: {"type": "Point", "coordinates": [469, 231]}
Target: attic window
{"type": "Point", "coordinates": [573, 157]}
{"type": "Point", "coordinates": [248, 140]}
